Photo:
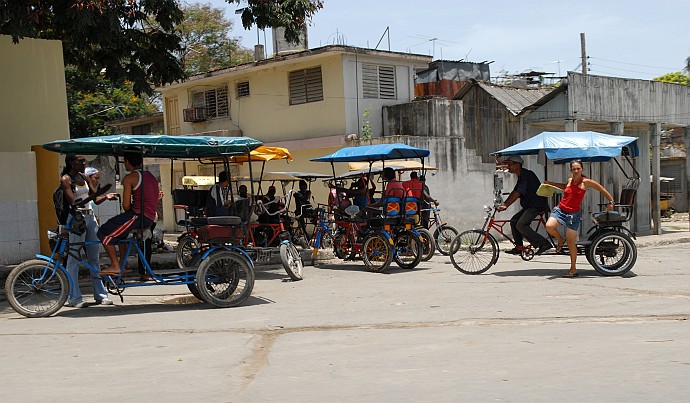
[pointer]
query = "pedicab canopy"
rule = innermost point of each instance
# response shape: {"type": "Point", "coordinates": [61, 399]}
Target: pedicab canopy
{"type": "Point", "coordinates": [376, 152]}
{"type": "Point", "coordinates": [402, 165]}
{"type": "Point", "coordinates": [567, 146]}
{"type": "Point", "coordinates": [156, 146]}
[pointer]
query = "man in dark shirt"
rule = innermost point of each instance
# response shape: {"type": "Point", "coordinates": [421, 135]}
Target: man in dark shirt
{"type": "Point", "coordinates": [532, 205]}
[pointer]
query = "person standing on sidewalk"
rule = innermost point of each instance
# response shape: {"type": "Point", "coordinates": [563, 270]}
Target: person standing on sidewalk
{"type": "Point", "coordinates": [531, 206]}
{"type": "Point", "coordinates": [568, 212]}
{"type": "Point", "coordinates": [77, 186]}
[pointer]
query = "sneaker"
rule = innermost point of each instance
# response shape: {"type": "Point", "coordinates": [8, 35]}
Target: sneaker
{"type": "Point", "coordinates": [80, 304]}
{"type": "Point", "coordinates": [104, 301]}
{"type": "Point", "coordinates": [543, 249]}
{"type": "Point", "coordinates": [514, 251]}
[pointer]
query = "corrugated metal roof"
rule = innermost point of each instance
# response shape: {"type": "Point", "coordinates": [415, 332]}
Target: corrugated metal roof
{"type": "Point", "coordinates": [514, 98]}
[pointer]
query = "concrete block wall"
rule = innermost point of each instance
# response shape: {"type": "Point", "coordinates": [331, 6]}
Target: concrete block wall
{"type": "Point", "coordinates": [19, 238]}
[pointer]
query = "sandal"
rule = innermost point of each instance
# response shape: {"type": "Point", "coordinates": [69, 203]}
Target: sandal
{"type": "Point", "coordinates": [559, 247]}
{"type": "Point", "coordinates": [571, 274]}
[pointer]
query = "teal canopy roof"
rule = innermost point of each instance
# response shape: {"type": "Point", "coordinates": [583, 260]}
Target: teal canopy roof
{"type": "Point", "coordinates": [156, 146]}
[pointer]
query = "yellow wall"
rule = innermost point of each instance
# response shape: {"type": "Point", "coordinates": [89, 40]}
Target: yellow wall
{"type": "Point", "coordinates": [46, 182]}
{"type": "Point", "coordinates": [33, 108]}
{"type": "Point", "coordinates": [267, 111]}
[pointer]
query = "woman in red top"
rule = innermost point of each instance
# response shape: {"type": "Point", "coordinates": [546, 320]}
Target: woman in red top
{"type": "Point", "coordinates": [568, 211]}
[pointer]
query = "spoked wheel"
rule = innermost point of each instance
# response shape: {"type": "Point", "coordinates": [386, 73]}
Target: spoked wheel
{"type": "Point", "coordinates": [343, 245]}
{"type": "Point", "coordinates": [443, 237]}
{"type": "Point", "coordinates": [473, 252]}
{"type": "Point", "coordinates": [36, 288]}
{"type": "Point", "coordinates": [377, 252]}
{"type": "Point", "coordinates": [292, 261]}
{"type": "Point", "coordinates": [612, 253]}
{"type": "Point", "coordinates": [408, 250]}
{"type": "Point", "coordinates": [186, 247]}
{"type": "Point", "coordinates": [225, 279]}
{"type": "Point", "coordinates": [428, 243]}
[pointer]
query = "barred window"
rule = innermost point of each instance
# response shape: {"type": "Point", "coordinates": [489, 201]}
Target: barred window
{"type": "Point", "coordinates": [306, 86]}
{"type": "Point", "coordinates": [378, 81]}
{"type": "Point", "coordinates": [242, 89]}
{"type": "Point", "coordinates": [214, 101]}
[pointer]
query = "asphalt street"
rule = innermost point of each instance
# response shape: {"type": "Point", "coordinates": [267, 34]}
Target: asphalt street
{"type": "Point", "coordinates": [519, 332]}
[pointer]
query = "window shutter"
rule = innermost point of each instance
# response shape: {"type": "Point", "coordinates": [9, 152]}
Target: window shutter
{"type": "Point", "coordinates": [370, 81]}
{"type": "Point", "coordinates": [387, 82]}
{"type": "Point", "coordinates": [306, 86]}
{"type": "Point", "coordinates": [243, 89]}
{"type": "Point", "coordinates": [378, 81]}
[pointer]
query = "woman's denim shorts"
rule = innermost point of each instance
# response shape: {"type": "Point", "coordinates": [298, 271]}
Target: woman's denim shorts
{"type": "Point", "coordinates": [570, 220]}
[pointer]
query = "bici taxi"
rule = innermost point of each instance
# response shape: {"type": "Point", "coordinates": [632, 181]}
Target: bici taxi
{"type": "Point", "coordinates": [609, 247]}
{"type": "Point", "coordinates": [386, 232]}
{"type": "Point", "coordinates": [223, 275]}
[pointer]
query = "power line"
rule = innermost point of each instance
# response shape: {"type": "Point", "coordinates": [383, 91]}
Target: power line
{"type": "Point", "coordinates": [633, 64]}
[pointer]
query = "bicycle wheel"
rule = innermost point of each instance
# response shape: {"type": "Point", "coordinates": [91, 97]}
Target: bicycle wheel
{"type": "Point", "coordinates": [186, 247]}
{"type": "Point", "coordinates": [36, 288]}
{"type": "Point", "coordinates": [408, 250]}
{"type": "Point", "coordinates": [377, 252]}
{"type": "Point", "coordinates": [192, 286]}
{"type": "Point", "coordinates": [292, 261]}
{"type": "Point", "coordinates": [343, 245]}
{"type": "Point", "coordinates": [443, 237]}
{"type": "Point", "coordinates": [473, 252]}
{"type": "Point", "coordinates": [225, 279]}
{"type": "Point", "coordinates": [612, 253]}
{"type": "Point", "coordinates": [428, 243]}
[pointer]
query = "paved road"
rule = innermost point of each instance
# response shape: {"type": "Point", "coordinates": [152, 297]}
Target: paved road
{"type": "Point", "coordinates": [520, 332]}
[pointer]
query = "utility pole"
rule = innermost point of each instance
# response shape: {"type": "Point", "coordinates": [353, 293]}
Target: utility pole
{"type": "Point", "coordinates": [584, 53]}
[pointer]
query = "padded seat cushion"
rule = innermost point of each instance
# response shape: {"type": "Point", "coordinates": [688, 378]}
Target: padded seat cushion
{"type": "Point", "coordinates": [609, 218]}
{"type": "Point", "coordinates": [227, 220]}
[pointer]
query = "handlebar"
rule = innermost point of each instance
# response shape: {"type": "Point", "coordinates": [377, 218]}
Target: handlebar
{"type": "Point", "coordinates": [286, 205]}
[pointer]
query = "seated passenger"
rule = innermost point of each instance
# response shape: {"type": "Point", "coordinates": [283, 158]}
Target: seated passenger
{"type": "Point", "coordinates": [137, 185]}
{"type": "Point", "coordinates": [273, 204]}
{"type": "Point", "coordinates": [394, 187]}
{"type": "Point", "coordinates": [413, 187]}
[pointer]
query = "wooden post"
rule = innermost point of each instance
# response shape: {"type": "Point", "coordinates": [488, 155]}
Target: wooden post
{"type": "Point", "coordinates": [655, 137]}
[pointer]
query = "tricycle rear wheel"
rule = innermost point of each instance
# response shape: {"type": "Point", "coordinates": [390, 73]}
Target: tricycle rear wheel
{"type": "Point", "coordinates": [225, 279]}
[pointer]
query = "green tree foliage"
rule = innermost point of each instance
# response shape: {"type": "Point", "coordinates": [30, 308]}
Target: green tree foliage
{"type": "Point", "coordinates": [674, 78]}
{"type": "Point", "coordinates": [106, 36]}
{"type": "Point", "coordinates": [289, 14]}
{"type": "Point", "coordinates": [92, 100]}
{"type": "Point", "coordinates": [206, 43]}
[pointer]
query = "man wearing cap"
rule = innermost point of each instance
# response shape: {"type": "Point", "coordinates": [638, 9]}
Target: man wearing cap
{"type": "Point", "coordinates": [532, 205]}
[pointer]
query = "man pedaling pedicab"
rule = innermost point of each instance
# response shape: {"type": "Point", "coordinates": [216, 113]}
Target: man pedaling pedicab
{"type": "Point", "coordinates": [136, 185]}
{"type": "Point", "coordinates": [531, 206]}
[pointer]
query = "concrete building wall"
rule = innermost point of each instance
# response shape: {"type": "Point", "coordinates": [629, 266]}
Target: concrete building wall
{"type": "Point", "coordinates": [19, 238]}
{"type": "Point", "coordinates": [33, 111]}
{"type": "Point", "coordinates": [33, 108]}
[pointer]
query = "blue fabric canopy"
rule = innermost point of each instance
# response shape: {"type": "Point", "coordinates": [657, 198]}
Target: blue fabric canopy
{"type": "Point", "coordinates": [161, 146]}
{"type": "Point", "coordinates": [376, 152]}
{"type": "Point", "coordinates": [567, 146]}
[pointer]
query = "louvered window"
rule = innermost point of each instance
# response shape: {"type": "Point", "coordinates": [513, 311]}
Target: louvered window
{"type": "Point", "coordinates": [306, 86]}
{"type": "Point", "coordinates": [214, 101]}
{"type": "Point", "coordinates": [243, 89]}
{"type": "Point", "coordinates": [378, 81]}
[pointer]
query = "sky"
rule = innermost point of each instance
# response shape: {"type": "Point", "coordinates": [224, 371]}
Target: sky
{"type": "Point", "coordinates": [634, 38]}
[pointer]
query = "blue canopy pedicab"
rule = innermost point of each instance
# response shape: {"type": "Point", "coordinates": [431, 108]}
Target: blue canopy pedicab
{"type": "Point", "coordinates": [223, 275]}
{"type": "Point", "coordinates": [389, 232]}
{"type": "Point", "coordinates": [609, 247]}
